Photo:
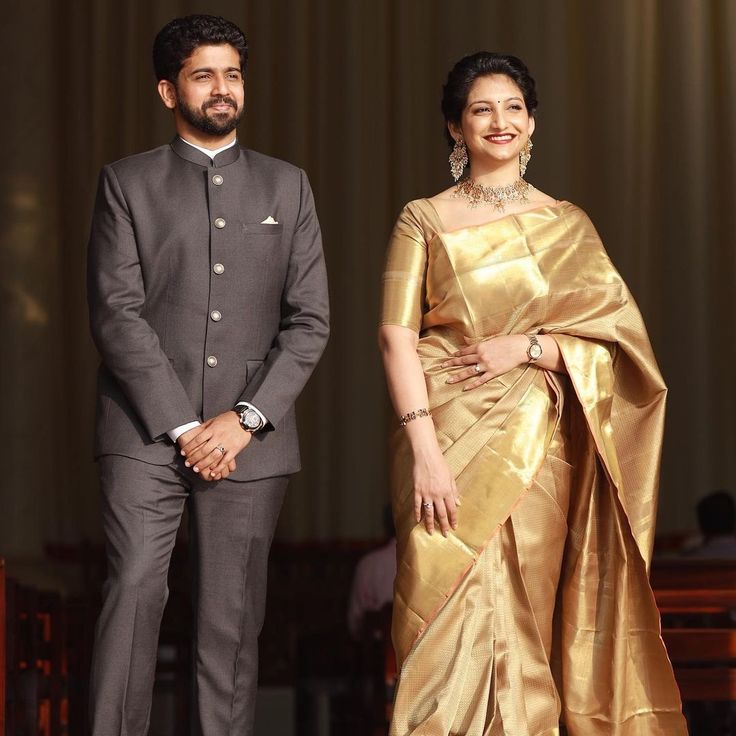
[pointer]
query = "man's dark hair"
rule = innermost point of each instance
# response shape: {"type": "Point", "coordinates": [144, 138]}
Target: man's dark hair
{"type": "Point", "coordinates": [178, 39]}
{"type": "Point", "coordinates": [716, 514]}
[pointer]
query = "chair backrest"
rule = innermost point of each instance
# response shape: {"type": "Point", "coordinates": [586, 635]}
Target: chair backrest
{"type": "Point", "coordinates": [694, 586]}
{"type": "Point", "coordinates": [693, 573]}
{"type": "Point", "coordinates": [699, 593]}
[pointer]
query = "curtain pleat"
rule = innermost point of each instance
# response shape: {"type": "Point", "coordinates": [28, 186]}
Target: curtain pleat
{"type": "Point", "coordinates": [636, 124]}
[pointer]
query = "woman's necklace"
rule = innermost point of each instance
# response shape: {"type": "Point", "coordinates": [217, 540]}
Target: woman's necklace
{"type": "Point", "coordinates": [477, 194]}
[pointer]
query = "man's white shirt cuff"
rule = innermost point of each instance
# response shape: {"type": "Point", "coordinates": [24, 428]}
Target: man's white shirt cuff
{"type": "Point", "coordinates": [177, 432]}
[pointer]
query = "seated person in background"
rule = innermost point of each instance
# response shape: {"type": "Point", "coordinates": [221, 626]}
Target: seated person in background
{"type": "Point", "coordinates": [717, 522]}
{"type": "Point", "coordinates": [373, 582]}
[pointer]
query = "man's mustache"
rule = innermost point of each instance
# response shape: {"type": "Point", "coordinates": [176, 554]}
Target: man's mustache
{"type": "Point", "coordinates": [220, 101]}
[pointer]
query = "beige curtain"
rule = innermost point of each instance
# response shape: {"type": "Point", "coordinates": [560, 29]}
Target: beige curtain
{"type": "Point", "coordinates": [637, 124]}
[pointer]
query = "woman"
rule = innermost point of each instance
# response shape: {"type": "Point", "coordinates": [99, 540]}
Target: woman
{"type": "Point", "coordinates": [525, 471]}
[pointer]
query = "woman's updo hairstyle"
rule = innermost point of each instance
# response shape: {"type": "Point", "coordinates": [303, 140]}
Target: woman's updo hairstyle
{"type": "Point", "coordinates": [482, 64]}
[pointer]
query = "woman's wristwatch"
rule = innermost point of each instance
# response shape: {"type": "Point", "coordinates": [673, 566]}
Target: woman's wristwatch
{"type": "Point", "coordinates": [534, 351]}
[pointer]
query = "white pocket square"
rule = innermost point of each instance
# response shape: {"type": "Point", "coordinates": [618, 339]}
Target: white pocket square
{"type": "Point", "coordinates": [269, 221]}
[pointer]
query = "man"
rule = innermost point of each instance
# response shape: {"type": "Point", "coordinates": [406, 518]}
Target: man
{"type": "Point", "coordinates": [717, 522]}
{"type": "Point", "coordinates": [208, 304]}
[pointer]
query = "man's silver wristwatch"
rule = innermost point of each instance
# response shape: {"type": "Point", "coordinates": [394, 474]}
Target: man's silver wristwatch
{"type": "Point", "coordinates": [250, 419]}
{"type": "Point", "coordinates": [534, 351]}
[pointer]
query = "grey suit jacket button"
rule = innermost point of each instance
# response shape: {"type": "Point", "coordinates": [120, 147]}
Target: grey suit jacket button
{"type": "Point", "coordinates": [220, 223]}
{"type": "Point", "coordinates": [218, 268]}
{"type": "Point", "coordinates": [216, 315]}
{"type": "Point", "coordinates": [211, 361]}
{"type": "Point", "coordinates": [217, 180]}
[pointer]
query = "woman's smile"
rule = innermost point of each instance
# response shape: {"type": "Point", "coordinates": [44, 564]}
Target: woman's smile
{"type": "Point", "coordinates": [499, 139]}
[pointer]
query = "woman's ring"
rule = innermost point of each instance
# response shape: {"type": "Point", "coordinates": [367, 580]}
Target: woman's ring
{"type": "Point", "coordinates": [428, 505]}
{"type": "Point", "coordinates": [221, 449]}
{"type": "Point", "coordinates": [477, 368]}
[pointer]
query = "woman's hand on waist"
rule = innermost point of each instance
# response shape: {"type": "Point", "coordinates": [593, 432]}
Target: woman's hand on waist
{"type": "Point", "coordinates": [486, 360]}
{"type": "Point", "coordinates": [435, 491]}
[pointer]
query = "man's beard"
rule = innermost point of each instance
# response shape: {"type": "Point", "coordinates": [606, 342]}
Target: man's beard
{"type": "Point", "coordinates": [219, 124]}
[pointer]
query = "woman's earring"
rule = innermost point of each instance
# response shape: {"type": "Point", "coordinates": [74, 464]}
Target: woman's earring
{"type": "Point", "coordinates": [458, 159]}
{"type": "Point", "coordinates": [524, 156]}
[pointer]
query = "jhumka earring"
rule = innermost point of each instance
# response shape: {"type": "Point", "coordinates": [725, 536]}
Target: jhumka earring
{"type": "Point", "coordinates": [458, 159]}
{"type": "Point", "coordinates": [524, 156]}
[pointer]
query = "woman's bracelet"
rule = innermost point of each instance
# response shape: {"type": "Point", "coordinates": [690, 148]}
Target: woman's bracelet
{"type": "Point", "coordinates": [412, 415]}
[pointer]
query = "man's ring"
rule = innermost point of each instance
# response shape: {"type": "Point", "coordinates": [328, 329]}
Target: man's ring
{"type": "Point", "coordinates": [221, 449]}
{"type": "Point", "coordinates": [428, 505]}
{"type": "Point", "coordinates": [477, 368]}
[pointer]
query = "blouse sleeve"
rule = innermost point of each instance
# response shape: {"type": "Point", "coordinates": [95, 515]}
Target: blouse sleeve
{"type": "Point", "coordinates": [404, 276]}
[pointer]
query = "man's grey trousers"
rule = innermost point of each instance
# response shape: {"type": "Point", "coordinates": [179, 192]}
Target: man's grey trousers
{"type": "Point", "coordinates": [232, 525]}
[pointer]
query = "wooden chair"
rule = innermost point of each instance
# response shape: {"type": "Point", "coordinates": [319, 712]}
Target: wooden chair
{"type": "Point", "coordinates": [34, 675]}
{"type": "Point", "coordinates": [81, 610]}
{"type": "Point", "coordinates": [697, 600]}
{"type": "Point", "coordinates": [305, 642]}
{"type": "Point", "coordinates": [52, 665]}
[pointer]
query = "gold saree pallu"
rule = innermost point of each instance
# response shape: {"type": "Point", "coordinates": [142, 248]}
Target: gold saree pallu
{"type": "Point", "coordinates": [537, 609]}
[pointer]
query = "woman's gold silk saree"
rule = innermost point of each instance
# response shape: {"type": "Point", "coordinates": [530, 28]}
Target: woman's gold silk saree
{"type": "Point", "coordinates": [537, 610]}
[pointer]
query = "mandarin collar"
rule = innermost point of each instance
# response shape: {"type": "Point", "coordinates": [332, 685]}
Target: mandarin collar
{"type": "Point", "coordinates": [190, 153]}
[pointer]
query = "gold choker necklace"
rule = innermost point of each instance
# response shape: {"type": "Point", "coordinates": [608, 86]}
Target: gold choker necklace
{"type": "Point", "coordinates": [477, 194]}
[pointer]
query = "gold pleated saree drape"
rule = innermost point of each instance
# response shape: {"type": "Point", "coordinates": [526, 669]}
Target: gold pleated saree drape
{"type": "Point", "coordinates": [537, 610]}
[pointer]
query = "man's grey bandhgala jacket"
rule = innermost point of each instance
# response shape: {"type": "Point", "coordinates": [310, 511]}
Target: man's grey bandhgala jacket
{"type": "Point", "coordinates": [196, 302]}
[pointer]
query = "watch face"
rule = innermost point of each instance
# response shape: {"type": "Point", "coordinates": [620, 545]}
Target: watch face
{"type": "Point", "coordinates": [535, 351]}
{"type": "Point", "coordinates": [251, 419]}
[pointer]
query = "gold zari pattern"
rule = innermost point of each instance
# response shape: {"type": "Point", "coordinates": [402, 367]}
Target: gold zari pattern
{"type": "Point", "coordinates": [537, 610]}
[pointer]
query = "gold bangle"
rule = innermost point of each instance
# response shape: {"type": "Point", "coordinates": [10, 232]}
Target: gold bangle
{"type": "Point", "coordinates": [412, 415]}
